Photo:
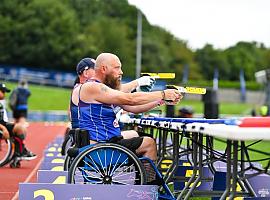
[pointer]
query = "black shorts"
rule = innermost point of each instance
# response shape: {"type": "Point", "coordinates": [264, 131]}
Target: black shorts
{"type": "Point", "coordinates": [9, 127]}
{"type": "Point", "coordinates": [132, 144]}
{"type": "Point", "coordinates": [19, 113]}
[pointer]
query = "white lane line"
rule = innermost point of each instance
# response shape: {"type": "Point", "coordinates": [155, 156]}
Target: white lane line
{"type": "Point", "coordinates": [16, 196]}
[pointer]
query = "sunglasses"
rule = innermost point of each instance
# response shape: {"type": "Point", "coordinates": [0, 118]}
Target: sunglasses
{"type": "Point", "coordinates": [86, 68]}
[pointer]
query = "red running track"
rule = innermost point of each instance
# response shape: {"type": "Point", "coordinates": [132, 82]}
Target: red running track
{"type": "Point", "coordinates": [38, 136]}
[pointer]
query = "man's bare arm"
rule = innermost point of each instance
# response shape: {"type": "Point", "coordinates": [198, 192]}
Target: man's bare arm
{"type": "Point", "coordinates": [141, 108]}
{"type": "Point", "coordinates": [101, 93]}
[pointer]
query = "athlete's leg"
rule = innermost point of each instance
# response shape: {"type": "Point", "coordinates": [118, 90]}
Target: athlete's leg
{"type": "Point", "coordinates": [19, 131]}
{"type": "Point", "coordinates": [129, 134]}
{"type": "Point", "coordinates": [148, 148]}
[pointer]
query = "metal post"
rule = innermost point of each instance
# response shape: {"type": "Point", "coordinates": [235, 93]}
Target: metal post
{"type": "Point", "coordinates": [229, 173]}
{"type": "Point", "coordinates": [139, 44]}
{"type": "Point", "coordinates": [267, 100]}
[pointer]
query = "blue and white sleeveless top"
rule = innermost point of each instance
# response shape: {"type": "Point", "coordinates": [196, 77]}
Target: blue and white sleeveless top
{"type": "Point", "coordinates": [74, 111]}
{"type": "Point", "coordinates": [99, 120]}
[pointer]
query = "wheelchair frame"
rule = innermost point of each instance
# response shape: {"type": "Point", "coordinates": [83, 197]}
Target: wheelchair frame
{"type": "Point", "coordinates": [6, 151]}
{"type": "Point", "coordinates": [81, 163]}
{"type": "Point", "coordinates": [10, 155]}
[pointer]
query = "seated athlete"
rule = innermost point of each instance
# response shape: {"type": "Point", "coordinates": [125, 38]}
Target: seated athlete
{"type": "Point", "coordinates": [99, 97]}
{"type": "Point", "coordinates": [17, 130]}
{"type": "Point", "coordinates": [85, 70]}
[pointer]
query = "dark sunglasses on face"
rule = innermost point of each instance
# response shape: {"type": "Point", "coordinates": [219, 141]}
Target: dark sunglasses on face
{"type": "Point", "coordinates": [86, 68]}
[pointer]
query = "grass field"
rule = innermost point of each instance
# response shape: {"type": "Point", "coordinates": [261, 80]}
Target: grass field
{"type": "Point", "coordinates": [45, 98]}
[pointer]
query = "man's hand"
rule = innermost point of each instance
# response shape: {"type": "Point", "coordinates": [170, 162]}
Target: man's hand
{"type": "Point", "coordinates": [172, 96]}
{"type": "Point", "coordinates": [145, 84]}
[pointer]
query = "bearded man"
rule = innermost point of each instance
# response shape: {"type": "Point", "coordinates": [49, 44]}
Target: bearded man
{"type": "Point", "coordinates": [99, 97]}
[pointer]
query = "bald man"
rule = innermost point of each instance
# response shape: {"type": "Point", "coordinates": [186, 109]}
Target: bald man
{"type": "Point", "coordinates": [85, 70]}
{"type": "Point", "coordinates": [99, 97]}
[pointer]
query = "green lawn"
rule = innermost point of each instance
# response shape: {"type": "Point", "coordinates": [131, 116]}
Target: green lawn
{"type": "Point", "coordinates": [46, 98]}
{"type": "Point", "coordinates": [224, 108]}
{"type": "Point", "coordinates": [52, 98]}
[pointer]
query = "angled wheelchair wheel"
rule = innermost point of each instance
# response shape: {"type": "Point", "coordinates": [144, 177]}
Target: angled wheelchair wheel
{"type": "Point", "coordinates": [107, 163]}
{"type": "Point", "coordinates": [6, 151]}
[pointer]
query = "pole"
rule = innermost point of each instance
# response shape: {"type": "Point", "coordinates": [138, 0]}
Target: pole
{"type": "Point", "coordinates": [139, 44]}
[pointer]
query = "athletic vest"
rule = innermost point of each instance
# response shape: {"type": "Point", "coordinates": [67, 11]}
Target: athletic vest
{"type": "Point", "coordinates": [99, 120]}
{"type": "Point", "coordinates": [74, 112]}
{"type": "Point", "coordinates": [1, 112]}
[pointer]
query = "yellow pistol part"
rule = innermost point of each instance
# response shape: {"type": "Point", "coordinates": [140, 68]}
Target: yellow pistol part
{"type": "Point", "coordinates": [189, 90]}
{"type": "Point", "coordinates": [160, 75]}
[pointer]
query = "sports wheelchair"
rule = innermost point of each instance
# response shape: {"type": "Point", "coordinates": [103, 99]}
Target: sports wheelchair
{"type": "Point", "coordinates": [8, 152]}
{"type": "Point", "coordinates": [110, 163]}
{"type": "Point", "coordinates": [69, 143]}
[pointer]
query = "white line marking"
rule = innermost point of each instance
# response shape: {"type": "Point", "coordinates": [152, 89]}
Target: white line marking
{"type": "Point", "coordinates": [16, 196]}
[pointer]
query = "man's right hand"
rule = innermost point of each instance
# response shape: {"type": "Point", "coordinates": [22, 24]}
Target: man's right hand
{"type": "Point", "coordinates": [145, 84]}
{"type": "Point", "coordinates": [173, 96]}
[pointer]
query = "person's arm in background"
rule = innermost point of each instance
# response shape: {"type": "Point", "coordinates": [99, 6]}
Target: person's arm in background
{"type": "Point", "coordinates": [130, 86]}
{"type": "Point", "coordinates": [143, 108]}
{"type": "Point", "coordinates": [69, 113]}
{"type": "Point", "coordinates": [28, 93]}
{"type": "Point", "coordinates": [146, 81]}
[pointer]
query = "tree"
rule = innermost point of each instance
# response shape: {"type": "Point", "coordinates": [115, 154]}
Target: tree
{"type": "Point", "coordinates": [208, 59]}
{"type": "Point", "coordinates": [246, 56]}
{"type": "Point", "coordinates": [43, 33]}
{"type": "Point", "coordinates": [111, 35]}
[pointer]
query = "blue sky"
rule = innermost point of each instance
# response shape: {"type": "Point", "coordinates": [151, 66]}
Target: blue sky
{"type": "Point", "coordinates": [221, 23]}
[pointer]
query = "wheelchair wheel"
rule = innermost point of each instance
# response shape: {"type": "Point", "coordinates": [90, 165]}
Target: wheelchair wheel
{"type": "Point", "coordinates": [6, 151]}
{"type": "Point", "coordinates": [107, 163]}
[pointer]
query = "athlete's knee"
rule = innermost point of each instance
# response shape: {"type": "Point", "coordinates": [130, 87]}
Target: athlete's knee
{"type": "Point", "coordinates": [150, 148]}
{"type": "Point", "coordinates": [149, 142]}
{"type": "Point", "coordinates": [129, 134]}
{"type": "Point", "coordinates": [19, 129]}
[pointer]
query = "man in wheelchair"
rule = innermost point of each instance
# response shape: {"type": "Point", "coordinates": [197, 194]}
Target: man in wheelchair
{"type": "Point", "coordinates": [99, 98]}
{"type": "Point", "coordinates": [86, 70]}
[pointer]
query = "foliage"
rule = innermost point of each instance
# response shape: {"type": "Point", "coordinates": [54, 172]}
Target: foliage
{"type": "Point", "coordinates": [245, 56]}
{"type": "Point", "coordinates": [56, 34]}
{"type": "Point", "coordinates": [39, 33]}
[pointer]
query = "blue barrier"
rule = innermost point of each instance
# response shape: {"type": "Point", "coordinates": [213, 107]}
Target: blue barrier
{"type": "Point", "coordinates": [49, 116]}
{"type": "Point", "coordinates": [193, 120]}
